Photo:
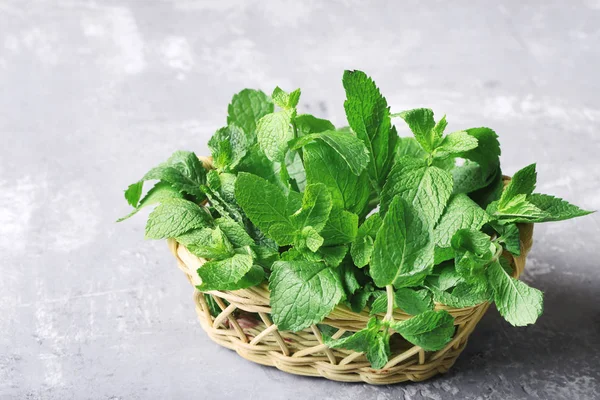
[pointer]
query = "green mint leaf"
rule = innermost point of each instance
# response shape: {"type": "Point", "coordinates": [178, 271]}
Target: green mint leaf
{"type": "Point", "coordinates": [234, 232]}
{"type": "Point", "coordinates": [421, 123]}
{"type": "Point", "coordinates": [413, 301]}
{"type": "Point", "coordinates": [358, 301]}
{"type": "Point", "coordinates": [469, 177]}
{"type": "Point", "coordinates": [266, 206]}
{"type": "Point", "coordinates": [522, 183]}
{"type": "Point", "coordinates": [348, 278]}
{"type": "Point", "coordinates": [134, 193]}
{"type": "Point", "coordinates": [341, 227]}
{"type": "Point", "coordinates": [296, 171]}
{"type": "Point", "coordinates": [246, 109]}
{"type": "Point", "coordinates": [307, 124]}
{"type": "Point", "coordinates": [311, 238]}
{"type": "Point", "coordinates": [229, 274]}
{"type": "Point", "coordinates": [256, 162]}
{"type": "Point", "coordinates": [403, 249]}
{"type": "Point", "coordinates": [461, 213]}
{"type": "Point", "coordinates": [184, 171]}
{"type": "Point", "coordinates": [487, 152]}
{"type": "Point", "coordinates": [228, 146]}
{"type": "Point", "coordinates": [518, 303]}
{"type": "Point", "coordinates": [286, 100]}
{"type": "Point", "coordinates": [455, 144]}
{"type": "Point", "coordinates": [324, 165]}
{"type": "Point", "coordinates": [462, 295]}
{"type": "Point", "coordinates": [333, 256]}
{"type": "Point", "coordinates": [430, 330]}
{"type": "Point", "coordinates": [379, 305]}
{"type": "Point", "coordinates": [440, 127]}
{"type": "Point", "coordinates": [175, 217]}
{"type": "Point", "coordinates": [426, 188]}
{"type": "Point", "coordinates": [373, 341]}
{"type": "Point", "coordinates": [302, 293]}
{"type": "Point", "coordinates": [316, 206]}
{"type": "Point", "coordinates": [362, 247]}
{"type": "Point", "coordinates": [207, 243]}
{"type": "Point", "coordinates": [274, 132]}
{"type": "Point", "coordinates": [509, 236]}
{"type": "Point", "coordinates": [160, 192]}
{"type": "Point", "coordinates": [349, 147]}
{"type": "Point", "coordinates": [408, 146]}
{"type": "Point", "coordinates": [554, 208]}
{"type": "Point", "coordinates": [474, 250]}
{"type": "Point", "coordinates": [369, 116]}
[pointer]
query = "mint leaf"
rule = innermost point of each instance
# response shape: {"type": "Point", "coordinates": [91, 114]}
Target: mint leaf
{"type": "Point", "coordinates": [413, 301]}
{"type": "Point", "coordinates": [403, 249]}
{"type": "Point", "coordinates": [462, 295]}
{"type": "Point", "coordinates": [228, 146]}
{"type": "Point", "coordinates": [310, 238]}
{"type": "Point", "coordinates": [349, 147]}
{"type": "Point", "coordinates": [373, 341]}
{"type": "Point", "coordinates": [160, 192]}
{"type": "Point", "coordinates": [246, 109]}
{"type": "Point", "coordinates": [324, 165]}
{"type": "Point", "coordinates": [487, 152]}
{"type": "Point", "coordinates": [426, 188]}
{"type": "Point", "coordinates": [234, 232]}
{"type": "Point", "coordinates": [207, 243]}
{"type": "Point", "coordinates": [430, 330]}
{"type": "Point", "coordinates": [274, 132]}
{"type": "Point", "coordinates": [474, 250]}
{"type": "Point", "coordinates": [341, 228]}
{"type": "Point", "coordinates": [133, 193]}
{"type": "Point", "coordinates": [461, 213]}
{"type": "Point", "coordinates": [469, 177]}
{"type": "Point", "coordinates": [174, 217]}
{"type": "Point", "coordinates": [286, 100]}
{"type": "Point", "coordinates": [228, 274]}
{"type": "Point", "coordinates": [302, 293]}
{"type": "Point", "coordinates": [421, 123]}
{"type": "Point", "coordinates": [509, 236]}
{"type": "Point", "coordinates": [522, 183]}
{"type": "Point", "coordinates": [554, 209]}
{"type": "Point", "coordinates": [518, 303]}
{"type": "Point", "coordinates": [307, 124]}
{"type": "Point", "coordinates": [316, 206]}
{"type": "Point", "coordinates": [369, 116]}
{"type": "Point", "coordinates": [362, 246]}
{"type": "Point", "coordinates": [455, 144]}
{"type": "Point", "coordinates": [184, 171]}
{"type": "Point", "coordinates": [266, 206]}
{"type": "Point", "coordinates": [408, 146]}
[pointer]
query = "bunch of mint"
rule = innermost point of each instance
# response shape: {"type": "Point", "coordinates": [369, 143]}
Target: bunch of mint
{"type": "Point", "coordinates": [355, 215]}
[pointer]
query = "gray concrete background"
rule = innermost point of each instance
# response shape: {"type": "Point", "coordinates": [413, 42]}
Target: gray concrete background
{"type": "Point", "coordinates": [94, 93]}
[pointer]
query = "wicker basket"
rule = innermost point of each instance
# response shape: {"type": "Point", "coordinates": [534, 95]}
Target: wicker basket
{"type": "Point", "coordinates": [244, 325]}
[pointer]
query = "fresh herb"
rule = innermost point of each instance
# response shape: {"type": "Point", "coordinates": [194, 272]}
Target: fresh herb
{"type": "Point", "coordinates": [353, 216]}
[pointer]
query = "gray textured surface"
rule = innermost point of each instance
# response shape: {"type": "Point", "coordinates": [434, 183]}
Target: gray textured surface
{"type": "Point", "coordinates": [92, 94]}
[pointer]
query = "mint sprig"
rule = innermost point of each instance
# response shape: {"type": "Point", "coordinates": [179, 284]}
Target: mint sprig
{"type": "Point", "coordinates": [354, 216]}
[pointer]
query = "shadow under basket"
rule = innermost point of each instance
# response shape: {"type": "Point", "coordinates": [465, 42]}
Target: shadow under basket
{"type": "Point", "coordinates": [243, 323]}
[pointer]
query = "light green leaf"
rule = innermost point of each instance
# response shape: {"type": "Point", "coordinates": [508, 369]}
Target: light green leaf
{"type": "Point", "coordinates": [133, 193]}
{"type": "Point", "coordinates": [518, 303]}
{"type": "Point", "coordinates": [160, 192]}
{"type": "Point", "coordinates": [431, 330]}
{"type": "Point", "coordinates": [184, 171]}
{"type": "Point", "coordinates": [421, 123]}
{"type": "Point", "coordinates": [302, 293]}
{"type": "Point", "coordinates": [274, 132]}
{"type": "Point", "coordinates": [469, 177]}
{"type": "Point", "coordinates": [316, 206]}
{"type": "Point", "coordinates": [341, 228]}
{"type": "Point", "coordinates": [286, 100]}
{"type": "Point", "coordinates": [461, 213]}
{"type": "Point", "coordinates": [311, 238]}
{"type": "Point", "coordinates": [426, 188]}
{"type": "Point", "coordinates": [487, 152]}
{"type": "Point", "coordinates": [373, 341]}
{"type": "Point", "coordinates": [509, 236]}
{"type": "Point", "coordinates": [227, 274]}
{"type": "Point", "coordinates": [413, 301]}
{"type": "Point", "coordinates": [455, 144]}
{"type": "Point", "coordinates": [234, 232]}
{"type": "Point", "coordinates": [403, 249]}
{"type": "Point", "coordinates": [307, 124]}
{"type": "Point", "coordinates": [555, 209]}
{"type": "Point", "coordinates": [174, 217]}
{"type": "Point", "coordinates": [246, 109]}
{"type": "Point", "coordinates": [349, 147]}
{"type": "Point", "coordinates": [266, 206]}
{"type": "Point", "coordinates": [228, 146]}
{"type": "Point", "coordinates": [474, 251]}
{"type": "Point", "coordinates": [408, 146]}
{"type": "Point", "coordinates": [369, 116]}
{"type": "Point", "coordinates": [362, 247]}
{"type": "Point", "coordinates": [207, 243]}
{"type": "Point", "coordinates": [522, 183]}
{"type": "Point", "coordinates": [324, 165]}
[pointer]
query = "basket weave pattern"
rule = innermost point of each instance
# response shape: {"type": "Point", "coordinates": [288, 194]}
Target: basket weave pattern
{"type": "Point", "coordinates": [244, 325]}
